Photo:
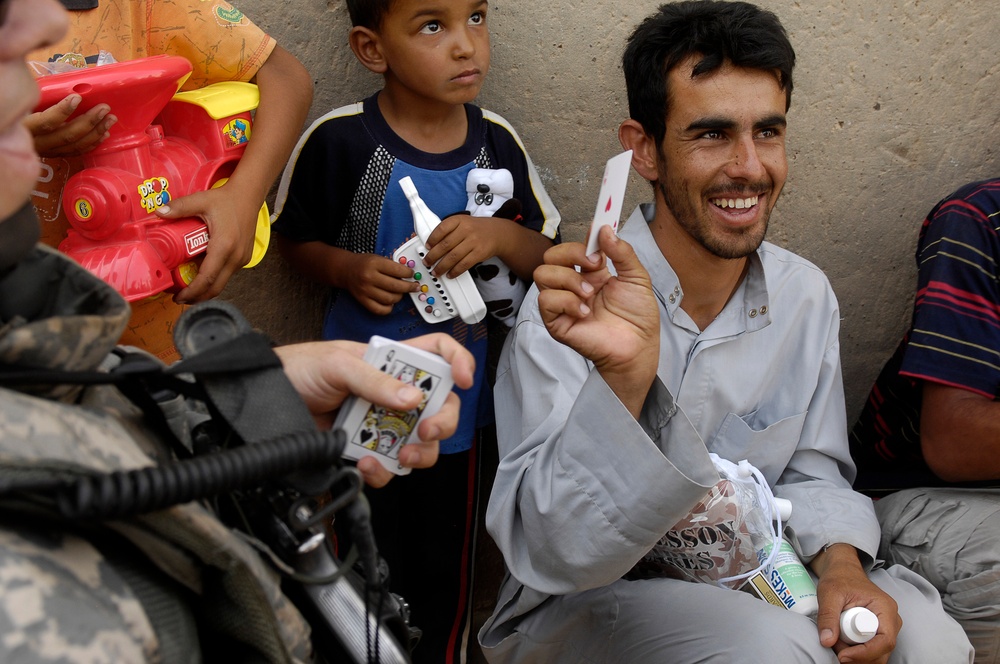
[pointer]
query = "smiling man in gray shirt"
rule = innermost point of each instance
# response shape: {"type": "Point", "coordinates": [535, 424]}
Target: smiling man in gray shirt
{"type": "Point", "coordinates": [616, 384]}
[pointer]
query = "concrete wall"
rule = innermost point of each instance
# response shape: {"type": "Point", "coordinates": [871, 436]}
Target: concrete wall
{"type": "Point", "coordinates": [895, 105]}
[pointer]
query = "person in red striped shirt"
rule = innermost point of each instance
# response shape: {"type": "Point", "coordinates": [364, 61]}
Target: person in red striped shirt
{"type": "Point", "coordinates": [927, 444]}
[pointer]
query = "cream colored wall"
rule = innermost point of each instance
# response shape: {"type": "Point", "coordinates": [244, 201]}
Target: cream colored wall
{"type": "Point", "coordinates": [895, 105]}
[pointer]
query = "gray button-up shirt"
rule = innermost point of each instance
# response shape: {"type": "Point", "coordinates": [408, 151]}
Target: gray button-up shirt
{"type": "Point", "coordinates": [583, 490]}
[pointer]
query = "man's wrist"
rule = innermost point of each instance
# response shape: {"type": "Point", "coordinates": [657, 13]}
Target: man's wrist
{"type": "Point", "coordinates": [835, 553]}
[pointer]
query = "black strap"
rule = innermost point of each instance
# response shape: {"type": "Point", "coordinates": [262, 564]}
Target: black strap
{"type": "Point", "coordinates": [254, 409]}
{"type": "Point", "coordinates": [248, 352]}
{"type": "Point", "coordinates": [244, 381]}
{"type": "Point", "coordinates": [145, 381]}
{"type": "Point", "coordinates": [76, 5]}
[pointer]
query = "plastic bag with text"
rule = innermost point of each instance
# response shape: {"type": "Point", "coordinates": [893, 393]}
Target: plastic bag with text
{"type": "Point", "coordinates": [718, 541]}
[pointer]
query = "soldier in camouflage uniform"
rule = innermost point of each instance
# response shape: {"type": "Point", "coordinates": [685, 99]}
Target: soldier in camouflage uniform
{"type": "Point", "coordinates": [70, 594]}
{"type": "Point", "coordinates": [174, 585]}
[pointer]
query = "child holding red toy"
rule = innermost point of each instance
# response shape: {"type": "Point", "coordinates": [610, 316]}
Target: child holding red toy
{"type": "Point", "coordinates": [222, 45]}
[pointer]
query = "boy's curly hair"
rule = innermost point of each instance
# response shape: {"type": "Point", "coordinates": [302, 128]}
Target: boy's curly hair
{"type": "Point", "coordinates": [368, 13]}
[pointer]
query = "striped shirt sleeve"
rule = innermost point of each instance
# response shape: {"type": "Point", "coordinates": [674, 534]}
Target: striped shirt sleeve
{"type": "Point", "coordinates": [955, 338]}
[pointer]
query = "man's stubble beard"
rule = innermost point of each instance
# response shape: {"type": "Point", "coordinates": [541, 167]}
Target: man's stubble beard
{"type": "Point", "coordinates": [729, 245]}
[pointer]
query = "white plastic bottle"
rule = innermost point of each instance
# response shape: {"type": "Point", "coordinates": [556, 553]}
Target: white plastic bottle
{"type": "Point", "coordinates": [789, 581]}
{"type": "Point", "coordinates": [786, 581]}
{"type": "Point", "coordinates": [857, 625]}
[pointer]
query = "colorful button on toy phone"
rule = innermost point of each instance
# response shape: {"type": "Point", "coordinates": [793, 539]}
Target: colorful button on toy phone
{"type": "Point", "coordinates": [431, 300]}
{"type": "Point", "coordinates": [444, 298]}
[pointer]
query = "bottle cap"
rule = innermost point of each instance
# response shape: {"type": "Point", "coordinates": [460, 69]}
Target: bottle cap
{"type": "Point", "coordinates": [784, 508]}
{"type": "Point", "coordinates": [858, 625]}
{"type": "Point", "coordinates": [409, 189]}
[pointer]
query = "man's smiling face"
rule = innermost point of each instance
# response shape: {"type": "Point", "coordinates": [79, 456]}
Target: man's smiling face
{"type": "Point", "coordinates": [722, 162]}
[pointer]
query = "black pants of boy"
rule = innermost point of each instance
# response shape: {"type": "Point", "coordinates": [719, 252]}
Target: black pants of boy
{"type": "Point", "coordinates": [425, 527]}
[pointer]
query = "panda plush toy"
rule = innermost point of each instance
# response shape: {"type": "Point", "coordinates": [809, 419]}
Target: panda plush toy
{"type": "Point", "coordinates": [491, 194]}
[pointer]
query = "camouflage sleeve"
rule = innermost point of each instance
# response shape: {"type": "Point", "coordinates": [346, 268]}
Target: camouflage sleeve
{"type": "Point", "coordinates": [62, 602]}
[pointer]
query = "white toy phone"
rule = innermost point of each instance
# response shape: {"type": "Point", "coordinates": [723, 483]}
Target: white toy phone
{"type": "Point", "coordinates": [440, 298]}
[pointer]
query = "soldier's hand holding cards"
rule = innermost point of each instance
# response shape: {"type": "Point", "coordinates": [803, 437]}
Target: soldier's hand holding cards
{"type": "Point", "coordinates": [327, 373]}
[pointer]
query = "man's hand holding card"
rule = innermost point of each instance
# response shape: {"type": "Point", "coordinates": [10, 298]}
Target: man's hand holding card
{"type": "Point", "coordinates": [610, 198]}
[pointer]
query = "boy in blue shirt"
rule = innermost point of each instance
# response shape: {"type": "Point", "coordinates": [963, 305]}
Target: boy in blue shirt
{"type": "Point", "coordinates": [340, 214]}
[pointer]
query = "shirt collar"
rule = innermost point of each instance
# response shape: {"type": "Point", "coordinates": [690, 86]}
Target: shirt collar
{"type": "Point", "coordinates": [753, 311]}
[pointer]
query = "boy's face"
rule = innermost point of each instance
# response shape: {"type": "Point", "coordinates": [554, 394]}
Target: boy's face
{"type": "Point", "coordinates": [436, 49]}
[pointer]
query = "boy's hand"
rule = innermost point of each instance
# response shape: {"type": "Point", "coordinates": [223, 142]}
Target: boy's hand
{"type": "Point", "coordinates": [55, 137]}
{"type": "Point", "coordinates": [232, 222]}
{"type": "Point", "coordinates": [462, 241]}
{"type": "Point", "coordinates": [378, 282]}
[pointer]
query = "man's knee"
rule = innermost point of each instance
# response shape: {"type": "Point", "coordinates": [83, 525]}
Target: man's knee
{"type": "Point", "coordinates": [699, 622]}
{"type": "Point", "coordinates": [929, 634]}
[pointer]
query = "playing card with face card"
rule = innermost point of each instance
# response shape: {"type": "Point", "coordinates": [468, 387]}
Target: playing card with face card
{"type": "Point", "coordinates": [374, 430]}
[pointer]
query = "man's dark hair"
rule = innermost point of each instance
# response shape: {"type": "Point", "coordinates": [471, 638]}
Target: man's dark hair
{"type": "Point", "coordinates": [720, 32]}
{"type": "Point", "coordinates": [368, 13]}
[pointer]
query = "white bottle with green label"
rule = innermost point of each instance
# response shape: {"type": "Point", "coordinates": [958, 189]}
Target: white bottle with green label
{"type": "Point", "coordinates": [786, 581]}
{"type": "Point", "coordinates": [789, 580]}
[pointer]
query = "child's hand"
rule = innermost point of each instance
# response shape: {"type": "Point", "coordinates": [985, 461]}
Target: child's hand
{"type": "Point", "coordinates": [55, 137]}
{"type": "Point", "coordinates": [462, 241]}
{"type": "Point", "coordinates": [378, 282]}
{"type": "Point", "coordinates": [231, 221]}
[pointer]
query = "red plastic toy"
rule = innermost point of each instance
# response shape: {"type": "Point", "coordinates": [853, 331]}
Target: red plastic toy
{"type": "Point", "coordinates": [165, 145]}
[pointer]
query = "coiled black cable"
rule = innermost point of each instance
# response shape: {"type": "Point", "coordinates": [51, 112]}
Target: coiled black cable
{"type": "Point", "coordinates": [127, 493]}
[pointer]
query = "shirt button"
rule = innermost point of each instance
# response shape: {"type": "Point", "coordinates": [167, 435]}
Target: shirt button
{"type": "Point", "coordinates": [753, 313]}
{"type": "Point", "coordinates": [763, 310]}
{"type": "Point", "coordinates": [672, 299]}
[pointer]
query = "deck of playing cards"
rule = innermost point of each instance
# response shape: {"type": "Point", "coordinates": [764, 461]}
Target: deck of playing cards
{"type": "Point", "coordinates": [381, 432]}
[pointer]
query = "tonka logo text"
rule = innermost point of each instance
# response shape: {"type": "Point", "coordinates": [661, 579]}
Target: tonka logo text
{"type": "Point", "coordinates": [153, 193]}
{"type": "Point", "coordinates": [195, 242]}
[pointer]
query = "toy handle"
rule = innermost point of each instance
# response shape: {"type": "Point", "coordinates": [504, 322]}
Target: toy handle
{"type": "Point", "coordinates": [424, 221]}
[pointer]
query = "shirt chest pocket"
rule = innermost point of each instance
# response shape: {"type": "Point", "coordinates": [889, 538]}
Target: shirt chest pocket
{"type": "Point", "coordinates": [768, 448]}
